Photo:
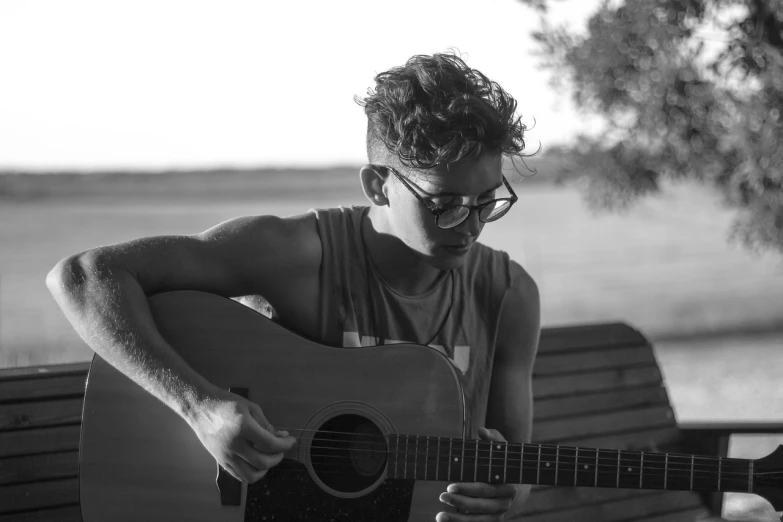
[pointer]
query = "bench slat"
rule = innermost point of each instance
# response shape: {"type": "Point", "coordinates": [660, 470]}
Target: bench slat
{"type": "Point", "coordinates": [39, 467]}
{"type": "Point", "coordinates": [559, 386]}
{"type": "Point", "coordinates": [59, 514]}
{"type": "Point", "coordinates": [594, 359]}
{"type": "Point", "coordinates": [575, 338]}
{"type": "Point", "coordinates": [40, 414]}
{"type": "Point", "coordinates": [588, 403]}
{"type": "Point", "coordinates": [19, 390]}
{"type": "Point", "coordinates": [543, 498]}
{"type": "Point", "coordinates": [37, 495]}
{"type": "Point", "coordinates": [595, 425]}
{"type": "Point", "coordinates": [626, 509]}
{"type": "Point", "coordinates": [42, 440]}
{"type": "Point", "coordinates": [50, 370]}
{"type": "Point", "coordinates": [690, 515]}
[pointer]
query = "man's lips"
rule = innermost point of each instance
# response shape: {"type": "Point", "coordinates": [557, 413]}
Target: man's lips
{"type": "Point", "coordinates": [460, 248]}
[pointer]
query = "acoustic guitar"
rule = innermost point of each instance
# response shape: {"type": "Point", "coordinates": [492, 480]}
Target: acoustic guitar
{"type": "Point", "coordinates": [381, 432]}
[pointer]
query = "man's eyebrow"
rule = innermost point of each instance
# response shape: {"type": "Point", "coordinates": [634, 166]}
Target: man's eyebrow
{"type": "Point", "coordinates": [493, 189]}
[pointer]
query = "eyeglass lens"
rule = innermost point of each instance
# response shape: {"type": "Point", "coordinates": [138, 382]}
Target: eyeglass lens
{"type": "Point", "coordinates": [456, 215]}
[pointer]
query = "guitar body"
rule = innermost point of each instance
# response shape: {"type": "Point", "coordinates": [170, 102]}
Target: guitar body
{"type": "Point", "coordinates": [140, 461]}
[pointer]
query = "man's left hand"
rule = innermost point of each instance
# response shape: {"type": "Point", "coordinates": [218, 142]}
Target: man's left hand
{"type": "Point", "coordinates": [481, 501]}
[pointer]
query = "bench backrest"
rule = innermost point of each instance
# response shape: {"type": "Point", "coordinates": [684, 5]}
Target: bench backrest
{"type": "Point", "coordinates": [40, 419]}
{"type": "Point", "coordinates": [599, 386]}
{"type": "Point", "coordinates": [594, 386]}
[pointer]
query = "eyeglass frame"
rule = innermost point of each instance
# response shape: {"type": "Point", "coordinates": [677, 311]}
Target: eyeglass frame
{"type": "Point", "coordinates": [438, 210]}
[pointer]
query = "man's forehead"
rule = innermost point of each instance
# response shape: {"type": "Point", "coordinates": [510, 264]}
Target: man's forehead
{"type": "Point", "coordinates": [467, 177]}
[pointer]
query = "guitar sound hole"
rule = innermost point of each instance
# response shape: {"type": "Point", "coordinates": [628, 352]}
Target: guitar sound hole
{"type": "Point", "coordinates": [349, 453]}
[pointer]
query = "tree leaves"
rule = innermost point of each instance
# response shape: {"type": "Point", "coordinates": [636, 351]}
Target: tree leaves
{"type": "Point", "coordinates": [690, 89]}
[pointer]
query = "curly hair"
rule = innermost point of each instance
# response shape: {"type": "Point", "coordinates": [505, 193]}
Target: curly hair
{"type": "Point", "coordinates": [436, 110]}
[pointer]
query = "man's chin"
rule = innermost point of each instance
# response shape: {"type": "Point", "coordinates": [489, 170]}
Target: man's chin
{"type": "Point", "coordinates": [446, 262]}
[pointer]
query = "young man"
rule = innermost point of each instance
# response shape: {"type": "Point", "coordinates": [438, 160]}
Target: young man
{"type": "Point", "coordinates": [406, 268]}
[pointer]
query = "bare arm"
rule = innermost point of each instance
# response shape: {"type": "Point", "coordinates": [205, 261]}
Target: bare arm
{"type": "Point", "coordinates": [103, 292]}
{"type": "Point", "coordinates": [510, 404]}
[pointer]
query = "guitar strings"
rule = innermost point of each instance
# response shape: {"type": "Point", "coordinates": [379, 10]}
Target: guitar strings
{"type": "Point", "coordinates": [527, 463]}
{"type": "Point", "coordinates": [671, 471]}
{"type": "Point", "coordinates": [518, 446]}
{"type": "Point", "coordinates": [724, 465]}
{"type": "Point", "coordinates": [438, 440]}
{"type": "Point", "coordinates": [714, 462]}
{"type": "Point", "coordinates": [430, 475]}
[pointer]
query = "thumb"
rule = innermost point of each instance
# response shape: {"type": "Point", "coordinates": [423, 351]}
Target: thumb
{"type": "Point", "coordinates": [489, 434]}
{"type": "Point", "coordinates": [260, 418]}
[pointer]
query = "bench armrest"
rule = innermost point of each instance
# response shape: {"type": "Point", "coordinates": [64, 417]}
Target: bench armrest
{"type": "Point", "coordinates": [727, 428]}
{"type": "Point", "coordinates": [712, 438]}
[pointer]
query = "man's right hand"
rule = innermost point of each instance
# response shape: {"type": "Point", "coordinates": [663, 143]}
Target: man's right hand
{"type": "Point", "coordinates": [235, 431]}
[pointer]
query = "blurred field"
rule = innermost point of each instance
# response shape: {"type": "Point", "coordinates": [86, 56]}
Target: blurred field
{"type": "Point", "coordinates": [664, 266]}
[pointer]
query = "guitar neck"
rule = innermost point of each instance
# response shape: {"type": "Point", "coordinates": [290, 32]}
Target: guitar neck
{"type": "Point", "coordinates": [461, 460]}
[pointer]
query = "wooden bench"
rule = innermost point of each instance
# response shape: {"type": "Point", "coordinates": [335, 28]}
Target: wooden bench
{"type": "Point", "coordinates": [594, 386]}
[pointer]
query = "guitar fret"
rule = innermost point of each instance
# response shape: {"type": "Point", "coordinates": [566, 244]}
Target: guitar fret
{"type": "Point", "coordinates": [692, 462]}
{"type": "Point", "coordinates": [720, 465]}
{"type": "Point", "coordinates": [597, 452]}
{"type": "Point", "coordinates": [750, 477]}
{"type": "Point", "coordinates": [475, 467]}
{"type": "Point", "coordinates": [666, 473]}
{"type": "Point", "coordinates": [426, 456]}
{"type": "Point", "coordinates": [557, 462]}
{"type": "Point", "coordinates": [576, 464]}
{"type": "Point", "coordinates": [396, 455]}
{"type": "Point", "coordinates": [437, 459]}
{"type": "Point", "coordinates": [641, 473]}
{"type": "Point", "coordinates": [489, 468]}
{"type": "Point", "coordinates": [450, 446]}
{"type": "Point", "coordinates": [405, 468]}
{"type": "Point", "coordinates": [618, 468]}
{"type": "Point", "coordinates": [415, 456]}
{"type": "Point", "coordinates": [462, 463]}
{"type": "Point", "coordinates": [505, 463]}
{"type": "Point", "coordinates": [538, 466]}
{"type": "Point", "coordinates": [521, 462]}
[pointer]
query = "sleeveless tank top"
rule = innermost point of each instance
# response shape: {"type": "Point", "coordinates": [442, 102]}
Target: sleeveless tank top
{"type": "Point", "coordinates": [356, 301]}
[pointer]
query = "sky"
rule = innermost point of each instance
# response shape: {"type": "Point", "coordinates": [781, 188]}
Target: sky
{"type": "Point", "coordinates": [91, 85]}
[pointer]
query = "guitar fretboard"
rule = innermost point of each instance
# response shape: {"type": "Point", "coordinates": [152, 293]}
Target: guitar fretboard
{"type": "Point", "coordinates": [462, 460]}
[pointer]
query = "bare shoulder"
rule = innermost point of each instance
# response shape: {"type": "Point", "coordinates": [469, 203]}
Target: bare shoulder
{"type": "Point", "coordinates": [510, 403]}
{"type": "Point", "coordinates": [522, 284]}
{"type": "Point", "coordinates": [520, 321]}
{"type": "Point", "coordinates": [275, 263]}
{"type": "Point", "coordinates": [266, 253]}
{"type": "Point", "coordinates": [293, 239]}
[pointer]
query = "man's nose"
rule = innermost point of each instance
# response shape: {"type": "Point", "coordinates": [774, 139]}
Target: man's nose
{"type": "Point", "coordinates": [472, 224]}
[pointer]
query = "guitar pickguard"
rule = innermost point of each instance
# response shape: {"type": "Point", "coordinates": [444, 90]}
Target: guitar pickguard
{"type": "Point", "coordinates": [287, 493]}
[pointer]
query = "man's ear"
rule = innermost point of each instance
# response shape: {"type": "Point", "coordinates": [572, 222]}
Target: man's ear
{"type": "Point", "coordinates": [373, 178]}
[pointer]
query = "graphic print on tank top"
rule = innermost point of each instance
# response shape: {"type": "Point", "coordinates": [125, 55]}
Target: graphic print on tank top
{"type": "Point", "coordinates": [459, 355]}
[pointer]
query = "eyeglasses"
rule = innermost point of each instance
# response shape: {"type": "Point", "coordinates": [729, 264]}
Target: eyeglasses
{"type": "Point", "coordinates": [449, 216]}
